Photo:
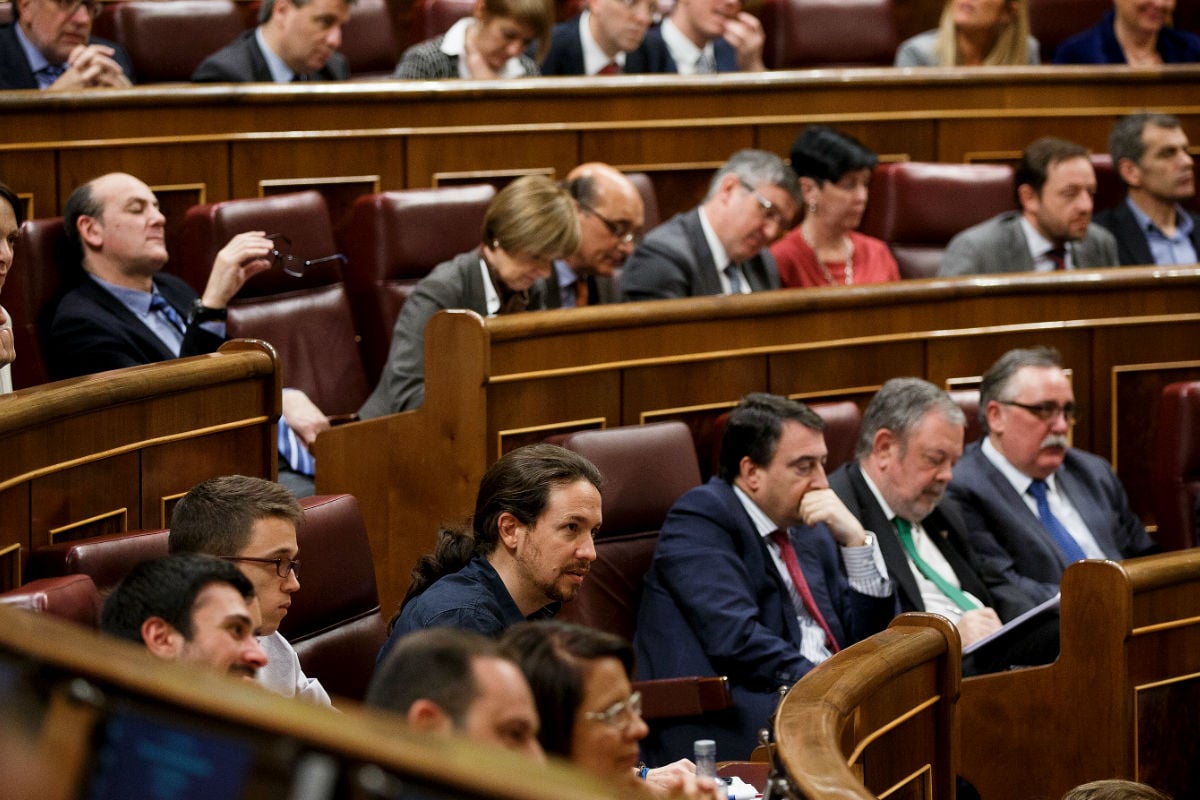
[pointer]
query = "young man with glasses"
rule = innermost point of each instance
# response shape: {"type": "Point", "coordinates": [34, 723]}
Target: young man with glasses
{"type": "Point", "coordinates": [611, 217]}
{"type": "Point", "coordinates": [49, 46]}
{"type": "Point", "coordinates": [719, 247]}
{"type": "Point", "coordinates": [1032, 503]}
{"type": "Point", "coordinates": [251, 522]}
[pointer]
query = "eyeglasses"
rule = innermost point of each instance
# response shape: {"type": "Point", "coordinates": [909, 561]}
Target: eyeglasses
{"type": "Point", "coordinates": [1046, 411]}
{"type": "Point", "coordinates": [769, 210]}
{"type": "Point", "coordinates": [619, 715]}
{"type": "Point", "coordinates": [69, 7]}
{"type": "Point", "coordinates": [291, 264]}
{"type": "Point", "coordinates": [283, 566]}
{"type": "Point", "coordinates": [621, 231]}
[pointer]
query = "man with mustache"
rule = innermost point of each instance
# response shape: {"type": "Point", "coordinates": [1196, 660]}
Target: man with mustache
{"type": "Point", "coordinates": [1032, 503]}
{"type": "Point", "coordinates": [1052, 230]}
{"type": "Point", "coordinates": [719, 247]}
{"type": "Point", "coordinates": [911, 438]}
{"type": "Point", "coordinates": [527, 550]}
{"type": "Point", "coordinates": [189, 608]}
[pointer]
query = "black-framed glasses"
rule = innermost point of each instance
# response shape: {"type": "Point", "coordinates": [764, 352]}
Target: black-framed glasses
{"type": "Point", "coordinates": [622, 231]}
{"type": "Point", "coordinates": [1048, 410]}
{"type": "Point", "coordinates": [293, 265]}
{"type": "Point", "coordinates": [283, 566]}
{"type": "Point", "coordinates": [619, 715]}
{"type": "Point", "coordinates": [769, 210]}
{"type": "Point", "coordinates": [69, 7]}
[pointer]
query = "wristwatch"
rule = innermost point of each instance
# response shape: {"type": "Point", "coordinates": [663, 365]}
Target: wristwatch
{"type": "Point", "coordinates": [202, 313]}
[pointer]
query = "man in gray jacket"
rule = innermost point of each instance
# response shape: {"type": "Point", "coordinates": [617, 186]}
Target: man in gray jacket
{"type": "Point", "coordinates": [1053, 230]}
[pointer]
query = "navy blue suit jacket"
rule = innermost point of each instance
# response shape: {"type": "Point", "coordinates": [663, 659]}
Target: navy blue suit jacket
{"type": "Point", "coordinates": [93, 331]}
{"type": "Point", "coordinates": [1099, 45]}
{"type": "Point", "coordinates": [723, 52]}
{"type": "Point", "coordinates": [241, 61]}
{"type": "Point", "coordinates": [714, 604]}
{"type": "Point", "coordinates": [1010, 539]}
{"type": "Point", "coordinates": [1132, 247]}
{"type": "Point", "coordinates": [565, 56]}
{"type": "Point", "coordinates": [15, 72]}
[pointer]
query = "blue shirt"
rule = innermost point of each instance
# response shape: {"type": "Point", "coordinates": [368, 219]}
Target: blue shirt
{"type": "Point", "coordinates": [43, 71]}
{"type": "Point", "coordinates": [474, 598]}
{"type": "Point", "coordinates": [1177, 249]}
{"type": "Point", "coordinates": [138, 303]}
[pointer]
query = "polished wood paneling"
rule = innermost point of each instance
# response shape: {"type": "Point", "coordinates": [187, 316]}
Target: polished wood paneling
{"type": "Point", "coordinates": [651, 360]}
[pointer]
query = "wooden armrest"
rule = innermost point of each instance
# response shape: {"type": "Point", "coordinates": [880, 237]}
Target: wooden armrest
{"type": "Point", "coordinates": [684, 697]}
{"type": "Point", "coordinates": [342, 419]}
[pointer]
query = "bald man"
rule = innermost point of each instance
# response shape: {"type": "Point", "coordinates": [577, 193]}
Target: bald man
{"type": "Point", "coordinates": [611, 216]}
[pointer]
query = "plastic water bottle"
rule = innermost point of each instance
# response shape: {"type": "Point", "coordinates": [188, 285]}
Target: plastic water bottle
{"type": "Point", "coordinates": [704, 753]}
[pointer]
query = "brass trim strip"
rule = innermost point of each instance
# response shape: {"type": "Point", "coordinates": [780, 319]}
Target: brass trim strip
{"type": "Point", "coordinates": [122, 512]}
{"type": "Point", "coordinates": [895, 723]}
{"type": "Point", "coordinates": [584, 424]}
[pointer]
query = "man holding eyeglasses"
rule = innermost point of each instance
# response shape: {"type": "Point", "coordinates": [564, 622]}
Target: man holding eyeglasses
{"type": "Point", "coordinates": [1032, 503]}
{"type": "Point", "coordinates": [719, 247]}
{"type": "Point", "coordinates": [611, 217]}
{"type": "Point", "coordinates": [251, 522]}
{"type": "Point", "coordinates": [49, 46]}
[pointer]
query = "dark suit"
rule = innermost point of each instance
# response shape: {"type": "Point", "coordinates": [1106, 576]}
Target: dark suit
{"type": "Point", "coordinates": [713, 603]}
{"type": "Point", "coordinates": [565, 56]}
{"type": "Point", "coordinates": [241, 61]}
{"type": "Point", "coordinates": [93, 331]}
{"type": "Point", "coordinates": [601, 290]}
{"type": "Point", "coordinates": [723, 52]}
{"type": "Point", "coordinates": [1010, 540]}
{"type": "Point", "coordinates": [946, 530]}
{"type": "Point", "coordinates": [999, 245]}
{"type": "Point", "coordinates": [1098, 45]}
{"type": "Point", "coordinates": [674, 261]}
{"type": "Point", "coordinates": [1132, 247]}
{"type": "Point", "coordinates": [457, 283]}
{"type": "Point", "coordinates": [15, 72]}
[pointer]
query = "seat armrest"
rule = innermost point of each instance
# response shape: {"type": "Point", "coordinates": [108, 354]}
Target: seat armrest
{"type": "Point", "coordinates": [684, 697]}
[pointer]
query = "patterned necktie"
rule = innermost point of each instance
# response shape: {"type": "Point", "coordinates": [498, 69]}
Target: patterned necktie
{"type": "Point", "coordinates": [1058, 256]}
{"type": "Point", "coordinates": [957, 595]}
{"type": "Point", "coordinates": [735, 278]}
{"type": "Point", "coordinates": [293, 450]}
{"type": "Point", "coordinates": [581, 292]}
{"type": "Point", "coordinates": [788, 554]}
{"type": "Point", "coordinates": [159, 305]}
{"type": "Point", "coordinates": [1065, 541]}
{"type": "Point", "coordinates": [706, 64]}
{"type": "Point", "coordinates": [47, 75]}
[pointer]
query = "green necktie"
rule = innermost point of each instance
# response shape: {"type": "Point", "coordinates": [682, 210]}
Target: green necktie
{"type": "Point", "coordinates": [950, 590]}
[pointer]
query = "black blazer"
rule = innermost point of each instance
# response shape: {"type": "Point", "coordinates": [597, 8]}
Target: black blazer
{"type": "Point", "coordinates": [947, 531]}
{"type": "Point", "coordinates": [1132, 247]}
{"type": "Point", "coordinates": [565, 56]}
{"type": "Point", "coordinates": [241, 61]}
{"type": "Point", "coordinates": [93, 331]}
{"type": "Point", "coordinates": [15, 72]}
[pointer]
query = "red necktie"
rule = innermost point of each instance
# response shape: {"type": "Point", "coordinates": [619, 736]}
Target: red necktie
{"type": "Point", "coordinates": [611, 68]}
{"type": "Point", "coordinates": [1058, 256]}
{"type": "Point", "coordinates": [788, 554]}
{"type": "Point", "coordinates": [581, 292]}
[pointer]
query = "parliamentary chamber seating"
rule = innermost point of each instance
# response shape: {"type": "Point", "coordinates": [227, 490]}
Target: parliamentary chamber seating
{"type": "Point", "coordinates": [1052, 21]}
{"type": "Point", "coordinates": [1175, 473]}
{"type": "Point", "coordinates": [31, 292]}
{"type": "Point", "coordinates": [334, 623]}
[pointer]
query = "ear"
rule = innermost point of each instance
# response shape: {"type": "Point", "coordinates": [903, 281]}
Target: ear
{"type": "Point", "coordinates": [91, 232]}
{"type": "Point", "coordinates": [808, 188]}
{"type": "Point", "coordinates": [1028, 197]}
{"type": "Point", "coordinates": [1130, 172]}
{"type": "Point", "coordinates": [428, 717]}
{"type": "Point", "coordinates": [510, 529]}
{"type": "Point", "coordinates": [478, 12]}
{"type": "Point", "coordinates": [161, 638]}
{"type": "Point", "coordinates": [748, 472]}
{"type": "Point", "coordinates": [995, 421]}
{"type": "Point", "coordinates": [885, 445]}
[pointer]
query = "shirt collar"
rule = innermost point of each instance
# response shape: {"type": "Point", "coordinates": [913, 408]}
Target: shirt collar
{"type": "Point", "coordinates": [280, 72]}
{"type": "Point", "coordinates": [490, 295]}
{"type": "Point", "coordinates": [719, 256]}
{"type": "Point", "coordinates": [887, 509]}
{"type": "Point", "coordinates": [684, 52]}
{"type": "Point", "coordinates": [762, 523]}
{"type": "Point", "coordinates": [1038, 244]}
{"type": "Point", "coordinates": [1183, 220]}
{"type": "Point", "coordinates": [135, 300]}
{"type": "Point", "coordinates": [37, 61]}
{"type": "Point", "coordinates": [566, 280]}
{"type": "Point", "coordinates": [594, 58]}
{"type": "Point", "coordinates": [1019, 480]}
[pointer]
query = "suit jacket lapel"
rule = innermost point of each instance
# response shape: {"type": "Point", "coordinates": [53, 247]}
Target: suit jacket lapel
{"type": "Point", "coordinates": [133, 326]}
{"type": "Point", "coordinates": [873, 519]}
{"type": "Point", "coordinates": [707, 280]}
{"type": "Point", "coordinates": [1018, 245]}
{"type": "Point", "coordinates": [1022, 515]}
{"type": "Point", "coordinates": [1096, 514]}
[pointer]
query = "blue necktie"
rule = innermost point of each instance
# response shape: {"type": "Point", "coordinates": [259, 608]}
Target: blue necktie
{"type": "Point", "coordinates": [1062, 538]}
{"type": "Point", "coordinates": [735, 278]}
{"type": "Point", "coordinates": [47, 75]}
{"type": "Point", "coordinates": [293, 450]}
{"type": "Point", "coordinates": [159, 304]}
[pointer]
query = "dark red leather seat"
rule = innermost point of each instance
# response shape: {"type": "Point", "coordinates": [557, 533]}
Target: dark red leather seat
{"type": "Point", "coordinates": [369, 40]}
{"type": "Point", "coordinates": [918, 207]}
{"type": "Point", "coordinates": [1052, 21]}
{"type": "Point", "coordinates": [308, 318]}
{"type": "Point", "coordinates": [802, 34]}
{"type": "Point", "coordinates": [1175, 474]}
{"type": "Point", "coordinates": [71, 597]}
{"type": "Point", "coordinates": [167, 41]}
{"type": "Point", "coordinates": [434, 17]}
{"type": "Point", "coordinates": [396, 238]}
{"type": "Point", "coordinates": [104, 559]}
{"type": "Point", "coordinates": [45, 264]}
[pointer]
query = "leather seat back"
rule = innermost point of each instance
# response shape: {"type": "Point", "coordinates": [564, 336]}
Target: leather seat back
{"type": "Point", "coordinates": [71, 597]}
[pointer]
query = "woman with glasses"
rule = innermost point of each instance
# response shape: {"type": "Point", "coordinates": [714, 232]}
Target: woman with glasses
{"type": "Point", "coordinates": [531, 222]}
{"type": "Point", "coordinates": [974, 33]}
{"type": "Point", "coordinates": [10, 224]}
{"type": "Point", "coordinates": [590, 714]}
{"type": "Point", "coordinates": [490, 43]}
{"type": "Point", "coordinates": [825, 249]}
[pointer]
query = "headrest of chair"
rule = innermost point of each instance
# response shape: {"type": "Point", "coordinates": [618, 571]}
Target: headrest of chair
{"type": "Point", "coordinates": [105, 559]}
{"type": "Point", "coordinates": [71, 597]}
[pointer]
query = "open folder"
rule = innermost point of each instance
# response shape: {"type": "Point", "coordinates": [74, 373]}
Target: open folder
{"type": "Point", "coordinates": [1014, 623]}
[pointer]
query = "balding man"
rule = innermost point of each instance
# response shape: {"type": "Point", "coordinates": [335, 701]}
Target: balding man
{"type": "Point", "coordinates": [611, 217]}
